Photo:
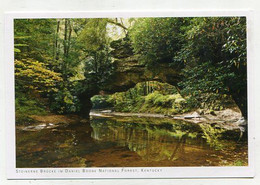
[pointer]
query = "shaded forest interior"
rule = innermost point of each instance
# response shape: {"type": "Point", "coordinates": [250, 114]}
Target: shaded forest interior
{"type": "Point", "coordinates": [155, 65]}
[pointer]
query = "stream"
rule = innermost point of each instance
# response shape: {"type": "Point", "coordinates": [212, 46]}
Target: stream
{"type": "Point", "coordinates": [127, 141]}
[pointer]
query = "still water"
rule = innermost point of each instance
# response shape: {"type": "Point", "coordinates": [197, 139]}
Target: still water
{"type": "Point", "coordinates": [127, 142]}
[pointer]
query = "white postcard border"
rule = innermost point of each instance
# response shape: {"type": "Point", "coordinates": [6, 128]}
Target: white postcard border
{"type": "Point", "coordinates": [136, 172]}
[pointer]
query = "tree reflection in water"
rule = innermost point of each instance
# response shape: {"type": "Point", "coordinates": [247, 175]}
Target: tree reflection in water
{"type": "Point", "coordinates": [118, 141]}
{"type": "Point", "coordinates": [170, 141]}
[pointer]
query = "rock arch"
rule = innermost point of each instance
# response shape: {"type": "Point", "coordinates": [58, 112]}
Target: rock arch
{"type": "Point", "coordinates": [128, 72]}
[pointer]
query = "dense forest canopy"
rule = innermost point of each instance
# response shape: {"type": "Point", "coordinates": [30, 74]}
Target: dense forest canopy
{"type": "Point", "coordinates": [62, 63]}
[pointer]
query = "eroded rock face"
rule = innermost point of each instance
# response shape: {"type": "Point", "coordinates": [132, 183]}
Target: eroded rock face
{"type": "Point", "coordinates": [128, 71]}
{"type": "Point", "coordinates": [121, 48]}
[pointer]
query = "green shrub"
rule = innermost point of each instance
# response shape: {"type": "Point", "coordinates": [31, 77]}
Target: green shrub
{"type": "Point", "coordinates": [100, 102]}
{"type": "Point", "coordinates": [64, 102]}
{"type": "Point", "coordinates": [26, 106]}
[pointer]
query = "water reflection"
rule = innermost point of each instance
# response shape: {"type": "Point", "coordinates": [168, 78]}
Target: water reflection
{"type": "Point", "coordinates": [153, 142]}
{"type": "Point", "coordinates": [125, 141]}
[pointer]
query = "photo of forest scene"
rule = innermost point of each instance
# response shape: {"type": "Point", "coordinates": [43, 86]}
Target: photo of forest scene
{"type": "Point", "coordinates": [131, 92]}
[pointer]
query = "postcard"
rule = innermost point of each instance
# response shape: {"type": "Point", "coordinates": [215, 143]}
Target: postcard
{"type": "Point", "coordinates": [129, 94]}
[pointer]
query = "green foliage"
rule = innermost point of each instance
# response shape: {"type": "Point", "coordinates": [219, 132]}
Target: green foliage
{"type": "Point", "coordinates": [211, 51]}
{"type": "Point", "coordinates": [67, 60]}
{"type": "Point", "coordinates": [34, 75]}
{"type": "Point", "coordinates": [123, 102]}
{"type": "Point", "coordinates": [33, 38]}
{"type": "Point", "coordinates": [98, 68]}
{"type": "Point", "coordinates": [213, 136]}
{"type": "Point", "coordinates": [157, 40]}
{"type": "Point", "coordinates": [57, 57]}
{"type": "Point", "coordinates": [216, 61]}
{"type": "Point", "coordinates": [204, 87]}
{"type": "Point", "coordinates": [64, 102]}
{"type": "Point", "coordinates": [26, 106]}
{"type": "Point", "coordinates": [166, 104]}
{"type": "Point", "coordinates": [239, 163]}
{"type": "Point", "coordinates": [159, 99]}
{"type": "Point", "coordinates": [94, 35]}
{"type": "Point", "coordinates": [100, 102]}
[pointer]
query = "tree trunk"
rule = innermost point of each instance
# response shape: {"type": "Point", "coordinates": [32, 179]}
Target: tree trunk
{"type": "Point", "coordinates": [86, 105]}
{"type": "Point", "coordinates": [241, 101]}
{"type": "Point", "coordinates": [56, 45]}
